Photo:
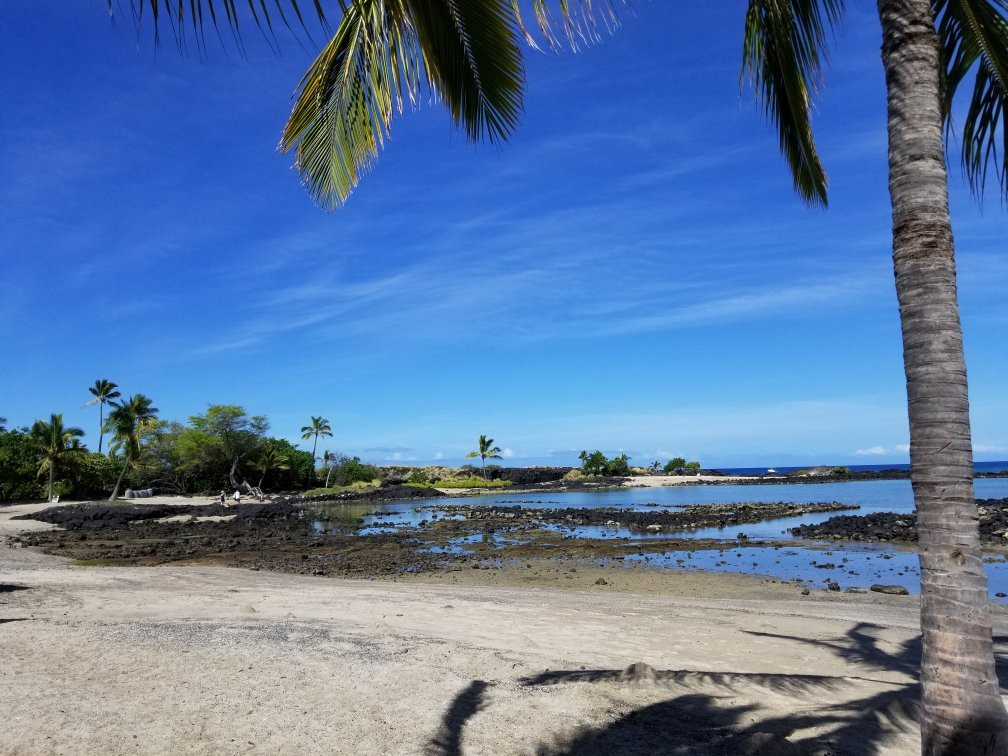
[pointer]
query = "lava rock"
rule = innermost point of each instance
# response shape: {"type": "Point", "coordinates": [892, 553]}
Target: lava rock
{"type": "Point", "coordinates": [892, 590]}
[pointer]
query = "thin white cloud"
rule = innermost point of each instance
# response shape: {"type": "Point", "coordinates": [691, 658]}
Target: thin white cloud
{"type": "Point", "coordinates": [989, 448]}
{"type": "Point", "coordinates": [872, 451]}
{"type": "Point", "coordinates": [507, 454]}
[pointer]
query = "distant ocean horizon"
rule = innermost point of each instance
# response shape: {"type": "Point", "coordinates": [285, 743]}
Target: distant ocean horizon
{"type": "Point", "coordinates": [978, 467]}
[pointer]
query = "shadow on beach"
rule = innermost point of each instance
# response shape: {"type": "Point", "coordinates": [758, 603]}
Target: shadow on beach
{"type": "Point", "coordinates": [708, 717]}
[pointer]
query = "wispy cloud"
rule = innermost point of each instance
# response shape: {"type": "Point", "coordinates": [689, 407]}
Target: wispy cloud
{"type": "Point", "coordinates": [872, 451]}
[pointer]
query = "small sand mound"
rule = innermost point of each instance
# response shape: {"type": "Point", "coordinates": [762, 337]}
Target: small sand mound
{"type": "Point", "coordinates": [639, 672]}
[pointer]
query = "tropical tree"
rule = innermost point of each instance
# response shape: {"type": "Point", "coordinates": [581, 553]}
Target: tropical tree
{"type": "Point", "coordinates": [319, 427]}
{"type": "Point", "coordinates": [486, 451]}
{"type": "Point", "coordinates": [468, 54]}
{"type": "Point", "coordinates": [234, 434]}
{"type": "Point", "coordinates": [328, 459]}
{"type": "Point", "coordinates": [102, 392]}
{"type": "Point", "coordinates": [127, 422]}
{"type": "Point", "coordinates": [54, 445]}
{"type": "Point", "coordinates": [269, 458]}
{"type": "Point", "coordinates": [676, 464]}
{"type": "Point", "coordinates": [3, 424]}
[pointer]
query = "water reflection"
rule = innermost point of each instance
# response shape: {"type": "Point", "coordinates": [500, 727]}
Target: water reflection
{"type": "Point", "coordinates": [848, 564]}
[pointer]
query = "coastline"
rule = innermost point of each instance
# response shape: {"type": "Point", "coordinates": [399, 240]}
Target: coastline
{"type": "Point", "coordinates": [475, 661]}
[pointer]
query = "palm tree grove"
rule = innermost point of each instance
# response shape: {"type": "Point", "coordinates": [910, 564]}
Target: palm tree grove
{"type": "Point", "coordinates": [737, 497]}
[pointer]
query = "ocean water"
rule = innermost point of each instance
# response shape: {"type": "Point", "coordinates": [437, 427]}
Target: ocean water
{"type": "Point", "coordinates": [978, 467]}
{"type": "Point", "coordinates": [851, 565]}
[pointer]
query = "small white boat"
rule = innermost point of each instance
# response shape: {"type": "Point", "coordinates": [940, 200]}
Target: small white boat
{"type": "Point", "coordinates": [770, 471]}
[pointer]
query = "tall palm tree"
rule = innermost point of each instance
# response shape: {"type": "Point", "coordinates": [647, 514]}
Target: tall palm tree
{"type": "Point", "coordinates": [486, 451]}
{"type": "Point", "coordinates": [319, 427]}
{"type": "Point", "coordinates": [127, 422]}
{"type": "Point", "coordinates": [928, 48]}
{"type": "Point", "coordinates": [54, 444]}
{"type": "Point", "coordinates": [468, 54]}
{"type": "Point", "coordinates": [103, 391]}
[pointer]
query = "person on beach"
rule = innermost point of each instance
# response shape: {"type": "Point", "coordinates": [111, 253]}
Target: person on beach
{"type": "Point", "coordinates": [222, 497]}
{"type": "Point", "coordinates": [237, 496]}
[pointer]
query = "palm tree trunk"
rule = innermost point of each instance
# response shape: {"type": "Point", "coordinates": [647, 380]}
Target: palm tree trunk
{"type": "Point", "coordinates": [962, 710]}
{"type": "Point", "coordinates": [314, 449]}
{"type": "Point", "coordinates": [115, 491]}
{"type": "Point", "coordinates": [101, 424]}
{"type": "Point", "coordinates": [52, 465]}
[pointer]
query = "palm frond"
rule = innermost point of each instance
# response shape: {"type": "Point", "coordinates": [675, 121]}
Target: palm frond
{"type": "Point", "coordinates": [580, 22]}
{"type": "Point", "coordinates": [974, 36]}
{"type": "Point", "coordinates": [783, 54]}
{"type": "Point", "coordinates": [189, 19]}
{"type": "Point", "coordinates": [381, 53]}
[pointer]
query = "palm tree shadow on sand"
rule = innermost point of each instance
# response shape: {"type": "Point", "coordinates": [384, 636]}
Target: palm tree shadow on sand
{"type": "Point", "coordinates": [713, 722]}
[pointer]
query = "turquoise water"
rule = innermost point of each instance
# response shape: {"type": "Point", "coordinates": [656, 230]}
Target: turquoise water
{"type": "Point", "coordinates": [854, 565]}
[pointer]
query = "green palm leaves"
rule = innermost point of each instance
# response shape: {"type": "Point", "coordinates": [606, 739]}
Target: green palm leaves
{"type": "Point", "coordinates": [974, 34]}
{"type": "Point", "coordinates": [319, 427]}
{"type": "Point", "coordinates": [782, 53]}
{"type": "Point", "coordinates": [54, 444]}
{"type": "Point", "coordinates": [103, 391]}
{"type": "Point", "coordinates": [270, 458]}
{"type": "Point", "coordinates": [785, 46]}
{"type": "Point", "coordinates": [465, 52]}
{"type": "Point", "coordinates": [127, 422]}
{"type": "Point", "coordinates": [486, 451]}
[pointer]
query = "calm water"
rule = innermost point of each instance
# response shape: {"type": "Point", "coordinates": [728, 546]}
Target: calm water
{"type": "Point", "coordinates": [853, 565]}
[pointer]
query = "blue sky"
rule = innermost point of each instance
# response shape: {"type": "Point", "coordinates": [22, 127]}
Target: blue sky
{"type": "Point", "coordinates": [631, 272]}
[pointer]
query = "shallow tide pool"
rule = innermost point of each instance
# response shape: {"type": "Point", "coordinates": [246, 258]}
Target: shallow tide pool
{"type": "Point", "coordinates": [854, 565]}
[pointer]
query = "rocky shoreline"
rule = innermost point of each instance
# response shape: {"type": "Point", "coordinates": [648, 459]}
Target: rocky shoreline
{"type": "Point", "coordinates": [664, 520]}
{"type": "Point", "coordinates": [298, 537]}
{"type": "Point", "coordinates": [890, 527]}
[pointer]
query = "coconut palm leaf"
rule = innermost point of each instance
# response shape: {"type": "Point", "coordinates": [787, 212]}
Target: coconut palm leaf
{"type": "Point", "coordinates": [383, 52]}
{"type": "Point", "coordinates": [974, 36]}
{"type": "Point", "coordinates": [191, 17]}
{"type": "Point", "coordinates": [783, 51]}
{"type": "Point", "coordinates": [103, 391]}
{"type": "Point", "coordinates": [466, 54]}
{"type": "Point", "coordinates": [54, 443]}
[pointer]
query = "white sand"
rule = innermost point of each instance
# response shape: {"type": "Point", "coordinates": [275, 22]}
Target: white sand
{"type": "Point", "coordinates": [212, 660]}
{"type": "Point", "coordinates": [658, 481]}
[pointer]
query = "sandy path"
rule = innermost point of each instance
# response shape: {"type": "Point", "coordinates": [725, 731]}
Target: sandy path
{"type": "Point", "coordinates": [214, 660]}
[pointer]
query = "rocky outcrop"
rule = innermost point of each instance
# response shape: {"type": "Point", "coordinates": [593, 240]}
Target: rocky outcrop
{"type": "Point", "coordinates": [895, 527]}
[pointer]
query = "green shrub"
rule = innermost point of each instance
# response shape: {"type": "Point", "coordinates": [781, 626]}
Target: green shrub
{"type": "Point", "coordinates": [617, 466]}
{"type": "Point", "coordinates": [93, 475]}
{"type": "Point", "coordinates": [473, 482]}
{"type": "Point", "coordinates": [18, 468]}
{"type": "Point", "coordinates": [418, 478]}
{"type": "Point", "coordinates": [674, 465]}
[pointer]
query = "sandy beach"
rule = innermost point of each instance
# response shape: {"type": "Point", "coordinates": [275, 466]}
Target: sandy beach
{"type": "Point", "coordinates": [193, 659]}
{"type": "Point", "coordinates": [658, 481]}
